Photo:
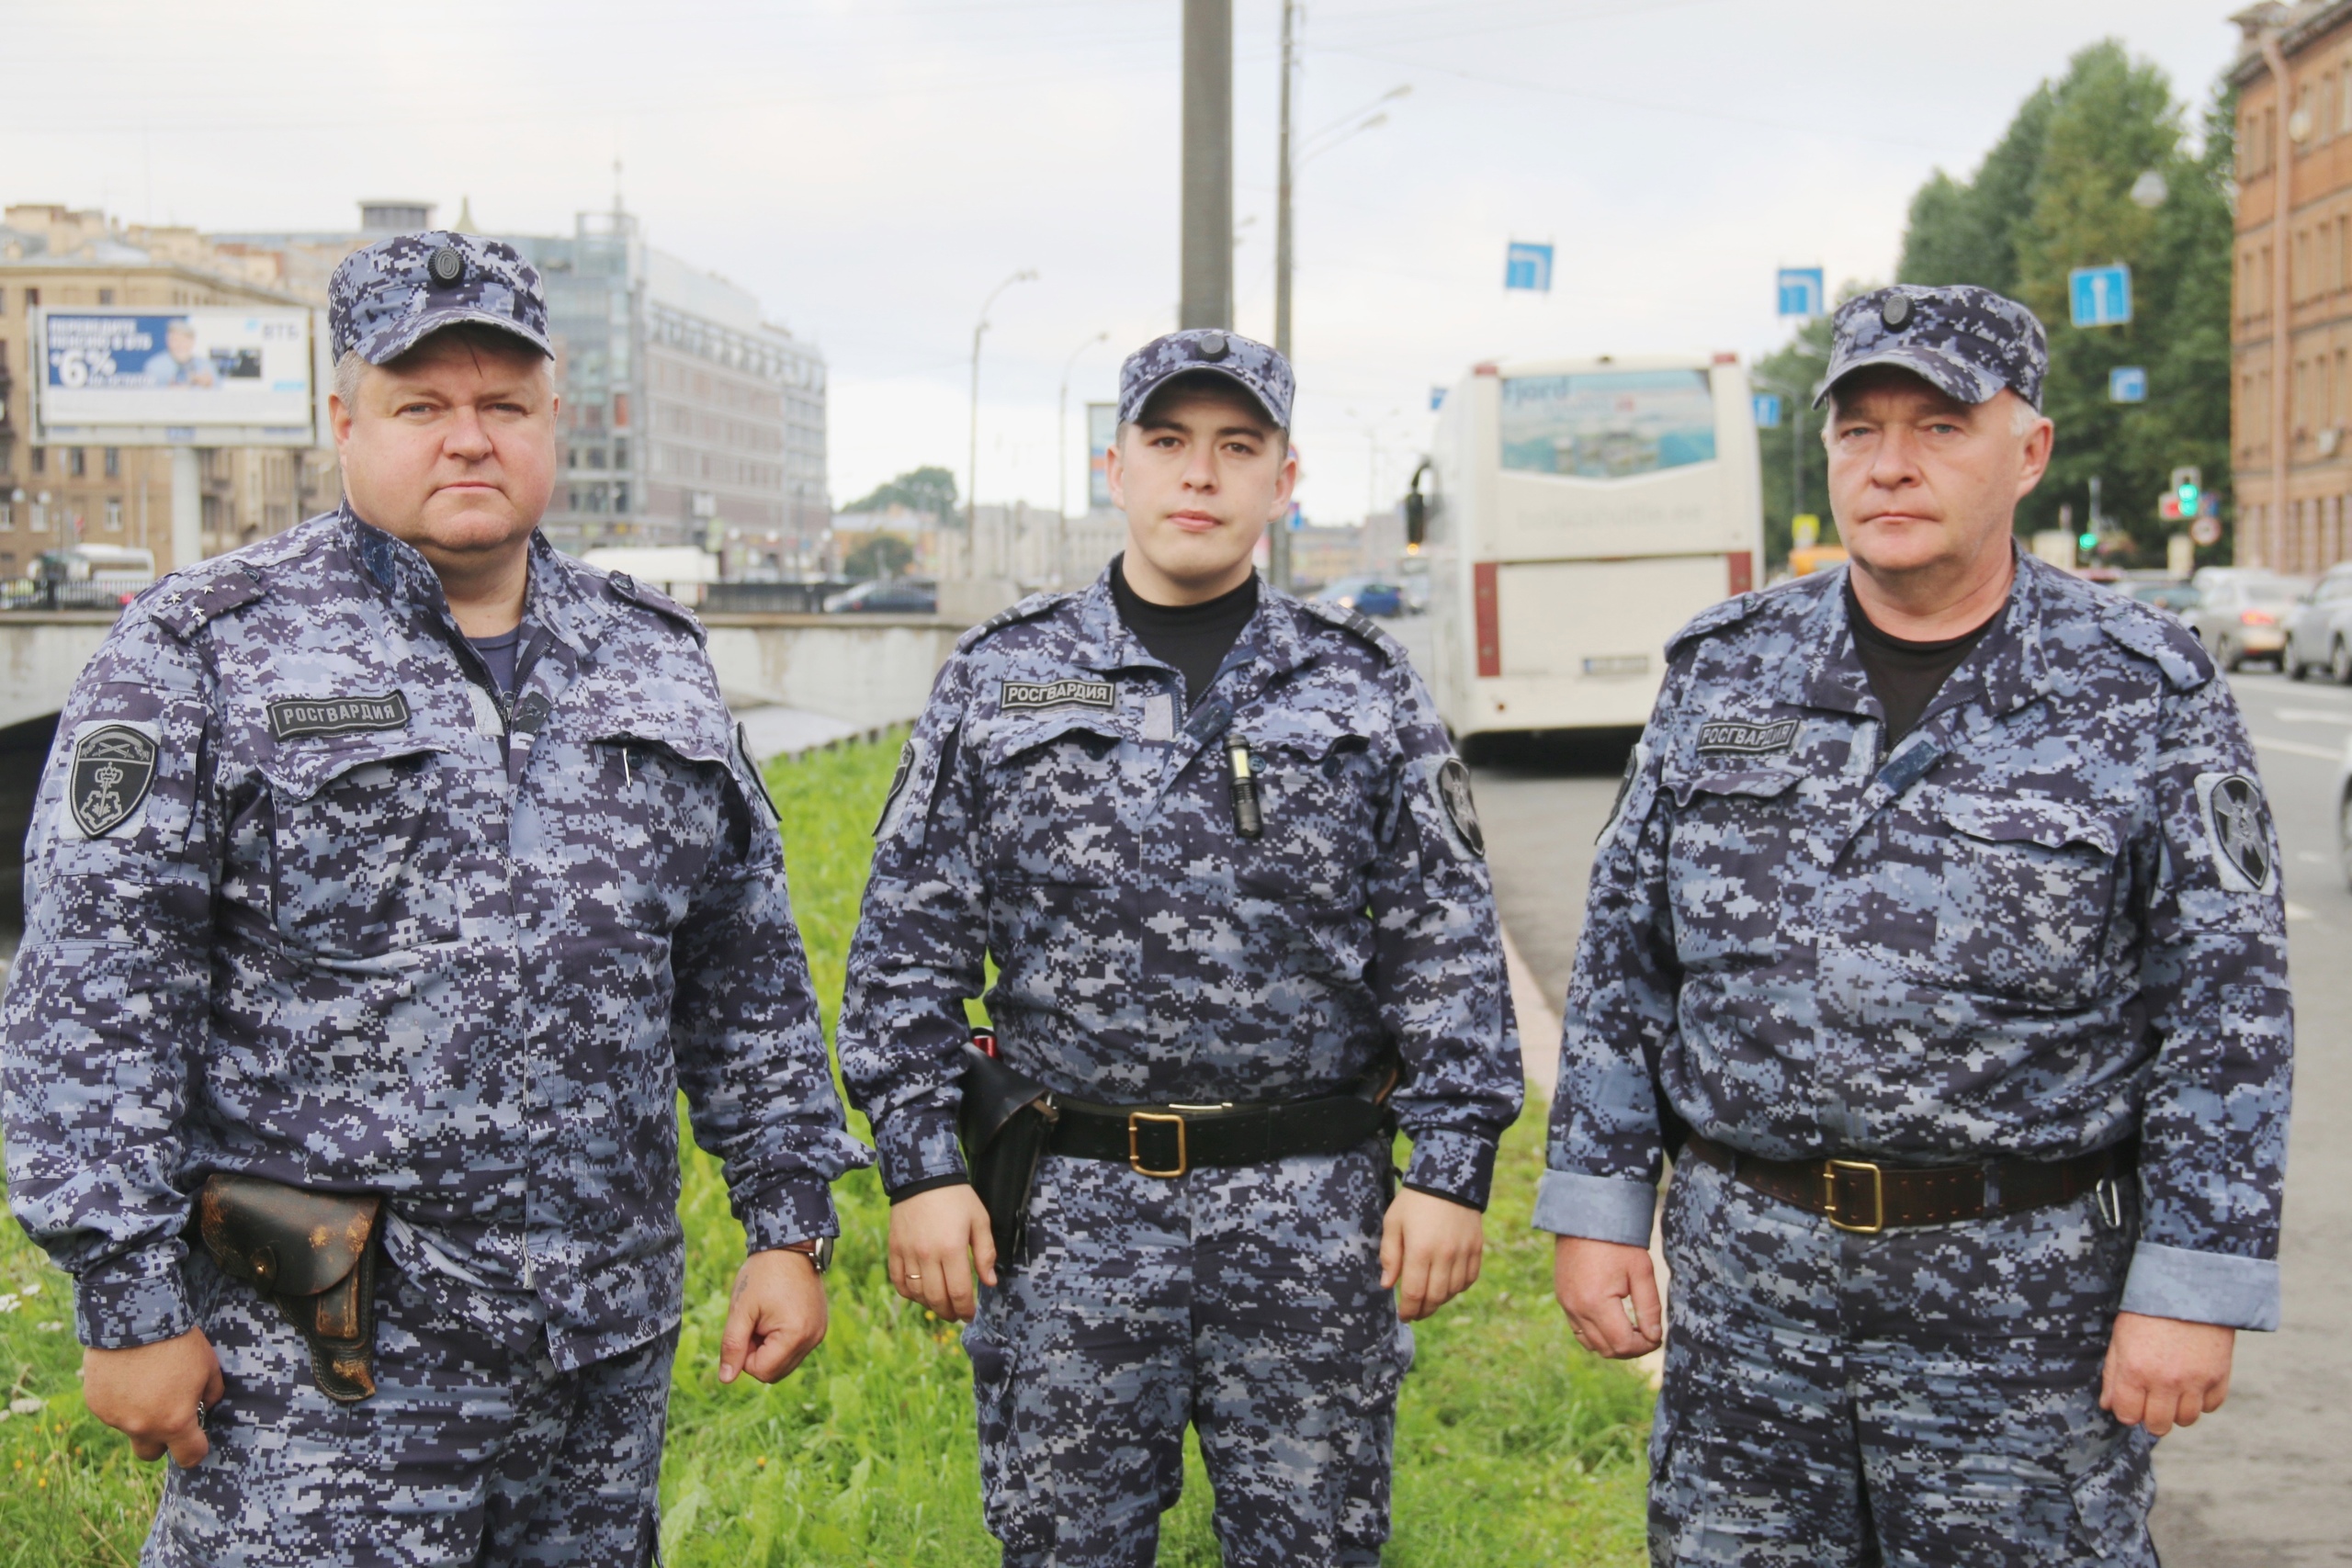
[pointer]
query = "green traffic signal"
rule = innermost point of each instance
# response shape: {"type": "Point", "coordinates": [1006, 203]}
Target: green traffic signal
{"type": "Point", "coordinates": [2188, 494]}
{"type": "Point", "coordinates": [2087, 541]}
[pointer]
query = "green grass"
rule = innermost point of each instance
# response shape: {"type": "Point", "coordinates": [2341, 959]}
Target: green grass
{"type": "Point", "coordinates": [1513, 1446]}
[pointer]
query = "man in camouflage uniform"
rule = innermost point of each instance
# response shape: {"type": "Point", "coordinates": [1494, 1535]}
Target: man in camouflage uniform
{"type": "Point", "coordinates": [1220, 849]}
{"type": "Point", "coordinates": [400, 854]}
{"type": "Point", "coordinates": [1937, 934]}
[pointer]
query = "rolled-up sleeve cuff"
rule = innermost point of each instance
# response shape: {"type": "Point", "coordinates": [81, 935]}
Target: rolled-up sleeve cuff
{"type": "Point", "coordinates": [791, 1211]}
{"type": "Point", "coordinates": [134, 1300]}
{"type": "Point", "coordinates": [1599, 1208]}
{"type": "Point", "coordinates": [1456, 1165]}
{"type": "Point", "coordinates": [2203, 1287]}
{"type": "Point", "coordinates": [918, 1148]}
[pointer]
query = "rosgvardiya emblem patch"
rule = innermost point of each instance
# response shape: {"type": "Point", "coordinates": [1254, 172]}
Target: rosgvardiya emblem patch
{"type": "Point", "coordinates": [114, 767]}
{"type": "Point", "coordinates": [1453, 794]}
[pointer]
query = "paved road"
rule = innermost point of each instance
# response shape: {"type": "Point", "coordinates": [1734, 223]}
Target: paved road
{"type": "Point", "coordinates": [2269, 1480]}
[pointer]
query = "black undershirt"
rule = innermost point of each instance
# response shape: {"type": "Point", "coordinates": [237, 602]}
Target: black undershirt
{"type": "Point", "coordinates": [1194, 638]}
{"type": "Point", "coordinates": [1905, 676]}
{"type": "Point", "coordinates": [500, 653]}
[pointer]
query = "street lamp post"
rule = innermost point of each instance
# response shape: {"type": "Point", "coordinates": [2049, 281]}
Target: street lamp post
{"type": "Point", "coordinates": [972, 470]}
{"type": "Point", "coordinates": [1061, 506]}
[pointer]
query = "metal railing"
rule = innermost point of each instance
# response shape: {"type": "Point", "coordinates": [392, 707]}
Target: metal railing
{"type": "Point", "coordinates": [32, 594]}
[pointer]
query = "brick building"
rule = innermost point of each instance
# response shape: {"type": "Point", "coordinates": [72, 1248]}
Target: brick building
{"type": "Point", "coordinates": [56, 497]}
{"type": "Point", "coordinates": [2291, 414]}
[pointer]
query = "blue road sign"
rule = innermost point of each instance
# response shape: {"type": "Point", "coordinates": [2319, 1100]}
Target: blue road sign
{"type": "Point", "coordinates": [1802, 291]}
{"type": "Point", "coordinates": [2101, 294]}
{"type": "Point", "coordinates": [2126, 384]}
{"type": "Point", "coordinates": [1528, 266]}
{"type": "Point", "coordinates": [1768, 411]}
{"type": "Point", "coordinates": [1437, 399]}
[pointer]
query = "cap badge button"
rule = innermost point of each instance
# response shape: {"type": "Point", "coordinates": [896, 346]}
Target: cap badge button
{"type": "Point", "coordinates": [447, 265]}
{"type": "Point", "coordinates": [1212, 346]}
{"type": "Point", "coordinates": [1895, 312]}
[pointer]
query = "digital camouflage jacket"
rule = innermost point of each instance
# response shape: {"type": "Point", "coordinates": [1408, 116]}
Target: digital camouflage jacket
{"type": "Point", "coordinates": [2049, 923]}
{"type": "Point", "coordinates": [289, 915]}
{"type": "Point", "coordinates": [1058, 811]}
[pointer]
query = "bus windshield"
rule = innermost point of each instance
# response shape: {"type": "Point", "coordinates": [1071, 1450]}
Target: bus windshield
{"type": "Point", "coordinates": [1607, 424]}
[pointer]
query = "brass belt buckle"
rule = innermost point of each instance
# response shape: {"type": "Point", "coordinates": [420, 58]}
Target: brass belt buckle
{"type": "Point", "coordinates": [1134, 1151]}
{"type": "Point", "coordinates": [1829, 1172]}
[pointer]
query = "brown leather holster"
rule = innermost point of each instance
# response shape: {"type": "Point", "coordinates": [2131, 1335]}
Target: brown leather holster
{"type": "Point", "coordinates": [312, 1253]}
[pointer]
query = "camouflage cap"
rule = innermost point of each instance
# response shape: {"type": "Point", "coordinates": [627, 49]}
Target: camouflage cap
{"type": "Point", "coordinates": [1966, 341]}
{"type": "Point", "coordinates": [383, 300]}
{"type": "Point", "coordinates": [1261, 371]}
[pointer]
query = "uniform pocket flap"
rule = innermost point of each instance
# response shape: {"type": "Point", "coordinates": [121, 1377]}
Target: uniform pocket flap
{"type": "Point", "coordinates": [2052, 824]}
{"type": "Point", "coordinates": [1759, 783]}
{"type": "Point", "coordinates": [302, 769]}
{"type": "Point", "coordinates": [1008, 734]}
{"type": "Point", "coordinates": [1310, 735]}
{"type": "Point", "coordinates": [674, 738]}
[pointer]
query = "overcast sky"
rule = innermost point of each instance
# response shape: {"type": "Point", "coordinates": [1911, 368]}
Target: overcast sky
{"type": "Point", "coordinates": [873, 168]}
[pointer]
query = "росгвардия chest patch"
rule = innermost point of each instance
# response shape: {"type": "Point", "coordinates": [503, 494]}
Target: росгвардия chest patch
{"type": "Point", "coordinates": [1035, 697]}
{"type": "Point", "coordinates": [1734, 738]}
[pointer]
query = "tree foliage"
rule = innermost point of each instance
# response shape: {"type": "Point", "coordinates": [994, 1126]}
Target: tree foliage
{"type": "Point", "coordinates": [878, 554]}
{"type": "Point", "coordinates": [930, 490]}
{"type": "Point", "coordinates": [2055, 193]}
{"type": "Point", "coordinates": [1795, 467]}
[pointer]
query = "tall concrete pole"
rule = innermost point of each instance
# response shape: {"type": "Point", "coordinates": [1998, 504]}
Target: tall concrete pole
{"type": "Point", "coordinates": [188, 509]}
{"type": "Point", "coordinates": [1206, 255]}
{"type": "Point", "coordinates": [2282, 308]}
{"type": "Point", "coordinates": [1281, 194]}
{"type": "Point", "coordinates": [1278, 546]}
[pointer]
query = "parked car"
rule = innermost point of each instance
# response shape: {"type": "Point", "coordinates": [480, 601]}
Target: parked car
{"type": "Point", "coordinates": [2175, 598]}
{"type": "Point", "coordinates": [893, 595]}
{"type": "Point", "coordinates": [2243, 616]}
{"type": "Point", "coordinates": [2319, 628]}
{"type": "Point", "coordinates": [1367, 594]}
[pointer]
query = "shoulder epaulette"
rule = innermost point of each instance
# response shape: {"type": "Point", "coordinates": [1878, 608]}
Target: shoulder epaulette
{"type": "Point", "coordinates": [1029, 609]}
{"type": "Point", "coordinates": [185, 602]}
{"type": "Point", "coordinates": [2160, 640]}
{"type": "Point", "coordinates": [1714, 618]}
{"type": "Point", "coordinates": [1357, 622]}
{"type": "Point", "coordinates": [629, 590]}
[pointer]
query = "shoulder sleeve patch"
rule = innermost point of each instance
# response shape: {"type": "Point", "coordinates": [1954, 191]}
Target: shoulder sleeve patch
{"type": "Point", "coordinates": [2173, 649]}
{"type": "Point", "coordinates": [1029, 609]}
{"type": "Point", "coordinates": [1357, 622]}
{"type": "Point", "coordinates": [184, 608]}
{"type": "Point", "coordinates": [751, 769]}
{"type": "Point", "coordinates": [629, 590]}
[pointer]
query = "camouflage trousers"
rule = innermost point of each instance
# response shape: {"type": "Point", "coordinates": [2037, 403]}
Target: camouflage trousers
{"type": "Point", "coordinates": [469, 1453]}
{"type": "Point", "coordinates": [1243, 1300]}
{"type": "Point", "coordinates": [1922, 1397]}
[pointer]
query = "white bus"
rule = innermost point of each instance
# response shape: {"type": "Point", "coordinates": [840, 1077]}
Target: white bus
{"type": "Point", "coordinates": [1573, 515]}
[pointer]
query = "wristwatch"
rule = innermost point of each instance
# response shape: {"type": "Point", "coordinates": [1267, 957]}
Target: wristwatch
{"type": "Point", "coordinates": [818, 1251]}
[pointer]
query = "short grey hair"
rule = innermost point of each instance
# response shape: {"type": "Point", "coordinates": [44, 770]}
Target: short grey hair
{"type": "Point", "coordinates": [352, 369]}
{"type": "Point", "coordinates": [349, 371]}
{"type": "Point", "coordinates": [2023, 417]}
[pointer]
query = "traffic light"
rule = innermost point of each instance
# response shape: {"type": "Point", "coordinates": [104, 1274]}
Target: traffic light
{"type": "Point", "coordinates": [2086, 541]}
{"type": "Point", "coordinates": [2187, 490]}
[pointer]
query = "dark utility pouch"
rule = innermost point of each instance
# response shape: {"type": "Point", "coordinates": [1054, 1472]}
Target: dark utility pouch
{"type": "Point", "coordinates": [1006, 1119]}
{"type": "Point", "coordinates": [312, 1253]}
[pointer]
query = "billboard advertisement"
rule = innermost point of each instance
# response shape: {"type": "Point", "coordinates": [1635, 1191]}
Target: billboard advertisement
{"type": "Point", "coordinates": [200, 377]}
{"type": "Point", "coordinates": [1102, 428]}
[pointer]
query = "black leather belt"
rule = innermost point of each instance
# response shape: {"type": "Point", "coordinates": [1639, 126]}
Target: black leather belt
{"type": "Point", "coordinates": [1169, 1140]}
{"type": "Point", "coordinates": [1869, 1196]}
